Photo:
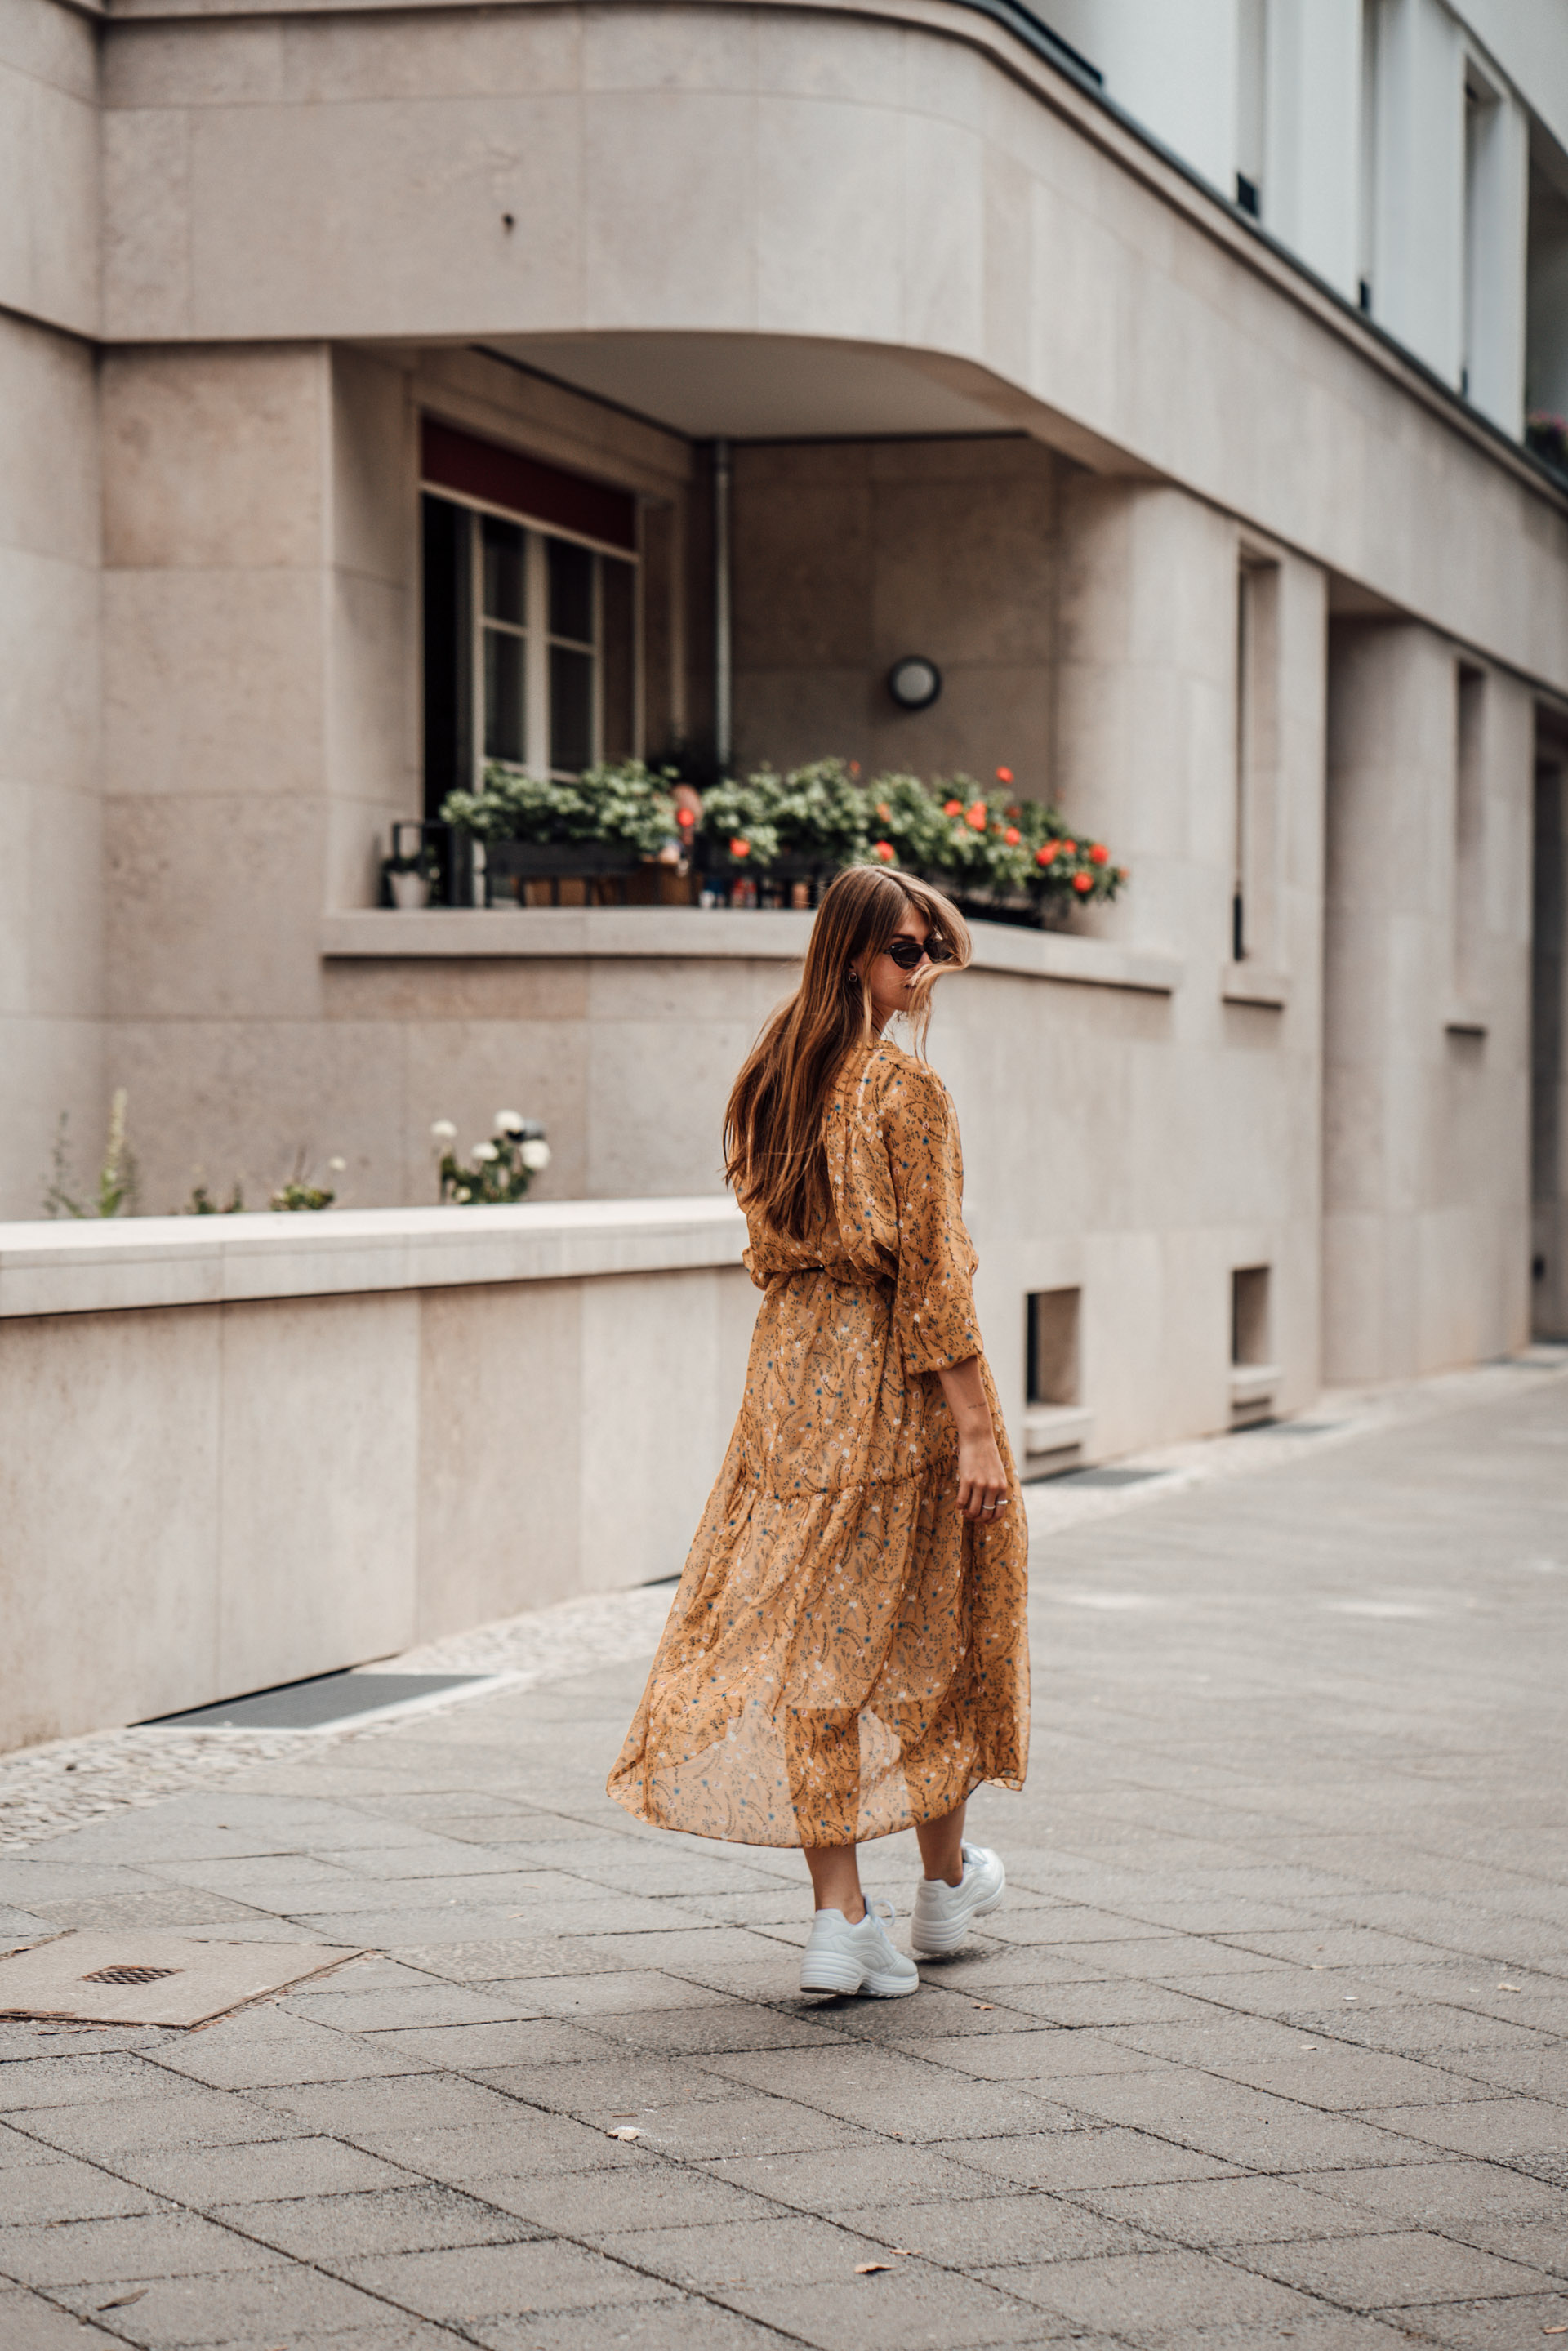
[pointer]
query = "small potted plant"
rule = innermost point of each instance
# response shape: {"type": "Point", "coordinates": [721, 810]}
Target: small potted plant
{"type": "Point", "coordinates": [411, 873]}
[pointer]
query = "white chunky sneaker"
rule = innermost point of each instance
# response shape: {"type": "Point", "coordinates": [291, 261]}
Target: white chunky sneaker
{"type": "Point", "coordinates": [943, 1914]}
{"type": "Point", "coordinates": [842, 1958]}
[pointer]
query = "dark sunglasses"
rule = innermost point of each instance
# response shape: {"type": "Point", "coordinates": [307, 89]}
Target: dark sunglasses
{"type": "Point", "coordinates": [909, 954]}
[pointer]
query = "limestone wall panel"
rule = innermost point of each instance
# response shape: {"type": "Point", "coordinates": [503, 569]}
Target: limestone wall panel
{"type": "Point", "coordinates": [320, 1562]}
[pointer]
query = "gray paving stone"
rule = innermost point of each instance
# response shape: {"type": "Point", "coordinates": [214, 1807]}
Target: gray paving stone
{"type": "Point", "coordinates": [165, 1906]}
{"type": "Point", "coordinates": [427, 2101]}
{"type": "Point", "coordinates": [1246, 2210]}
{"type": "Point", "coordinates": [489, 2048]}
{"type": "Point", "coordinates": [619, 1992]}
{"type": "Point", "coordinates": [242, 2055]}
{"type": "Point", "coordinates": [599, 2204]}
{"type": "Point", "coordinates": [499, 2281]}
{"type": "Point", "coordinates": [1384, 2272]}
{"type": "Point", "coordinates": [272, 2305]}
{"type": "Point", "coordinates": [178, 2117]}
{"type": "Point", "coordinates": [527, 2145]}
{"type": "Point", "coordinates": [1150, 2297]}
{"type": "Point", "coordinates": [738, 2026]}
{"type": "Point", "coordinates": [887, 2091]}
{"type": "Point", "coordinates": [1539, 2244]}
{"type": "Point", "coordinates": [1086, 2157]}
{"type": "Point", "coordinates": [707, 2130]}
{"type": "Point", "coordinates": [1498, 2126]}
{"type": "Point", "coordinates": [30, 2083]}
{"type": "Point", "coordinates": [412, 2002]}
{"type": "Point", "coordinates": [331, 2228]}
{"type": "Point", "coordinates": [823, 2181]}
{"type": "Point", "coordinates": [155, 2244]}
{"type": "Point", "coordinates": [671, 2321]}
{"type": "Point", "coordinates": [1042, 2053]}
{"type": "Point", "coordinates": [263, 2170]}
{"type": "Point", "coordinates": [23, 2147]}
{"type": "Point", "coordinates": [982, 2232]}
{"type": "Point", "coordinates": [1244, 2125]}
{"type": "Point", "coordinates": [28, 2322]}
{"type": "Point", "coordinates": [66, 2190]}
{"type": "Point", "coordinates": [777, 2250]}
{"type": "Point", "coordinates": [914, 2308]}
{"type": "Point", "coordinates": [1487, 2326]}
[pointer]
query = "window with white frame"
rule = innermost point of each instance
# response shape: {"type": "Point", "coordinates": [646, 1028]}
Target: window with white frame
{"type": "Point", "coordinates": [530, 629]}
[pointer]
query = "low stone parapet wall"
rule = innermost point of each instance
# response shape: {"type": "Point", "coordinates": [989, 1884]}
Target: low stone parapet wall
{"type": "Point", "coordinates": [235, 1451]}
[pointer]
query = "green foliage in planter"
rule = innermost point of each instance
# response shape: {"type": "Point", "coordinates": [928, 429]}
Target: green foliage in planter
{"type": "Point", "coordinates": [626, 807]}
{"type": "Point", "coordinates": [739, 823]}
{"type": "Point", "coordinates": [988, 844]}
{"type": "Point", "coordinates": [906, 818]}
{"type": "Point", "coordinates": [819, 811]}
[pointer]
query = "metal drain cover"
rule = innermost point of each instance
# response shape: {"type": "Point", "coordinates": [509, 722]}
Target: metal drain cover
{"type": "Point", "coordinates": [129, 1975]}
{"type": "Point", "coordinates": [95, 1977]}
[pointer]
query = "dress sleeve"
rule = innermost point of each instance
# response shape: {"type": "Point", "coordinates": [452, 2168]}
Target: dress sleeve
{"type": "Point", "coordinates": [934, 1304]}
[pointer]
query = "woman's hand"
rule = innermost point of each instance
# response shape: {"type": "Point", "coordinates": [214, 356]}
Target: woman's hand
{"type": "Point", "coordinates": [982, 1480]}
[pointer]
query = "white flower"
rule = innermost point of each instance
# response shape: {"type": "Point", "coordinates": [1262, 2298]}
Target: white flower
{"type": "Point", "coordinates": [485, 1151]}
{"type": "Point", "coordinates": [463, 1194]}
{"type": "Point", "coordinates": [337, 1165]}
{"type": "Point", "coordinates": [509, 1122]}
{"type": "Point", "coordinates": [442, 1130]}
{"type": "Point", "coordinates": [535, 1157]}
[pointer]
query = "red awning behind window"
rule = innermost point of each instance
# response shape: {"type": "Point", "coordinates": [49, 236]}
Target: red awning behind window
{"type": "Point", "coordinates": [451, 460]}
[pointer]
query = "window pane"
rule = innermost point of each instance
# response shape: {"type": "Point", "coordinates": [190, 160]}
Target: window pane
{"type": "Point", "coordinates": [504, 734]}
{"type": "Point", "coordinates": [616, 582]}
{"type": "Point", "coordinates": [570, 710]}
{"type": "Point", "coordinates": [504, 575]}
{"type": "Point", "coordinates": [570, 591]}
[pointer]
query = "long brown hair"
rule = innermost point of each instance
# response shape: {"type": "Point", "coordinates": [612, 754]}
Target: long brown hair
{"type": "Point", "coordinates": [773, 1127]}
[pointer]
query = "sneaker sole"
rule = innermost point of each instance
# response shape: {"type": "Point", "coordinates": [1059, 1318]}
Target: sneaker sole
{"type": "Point", "coordinates": [843, 1976]}
{"type": "Point", "coordinates": [942, 1940]}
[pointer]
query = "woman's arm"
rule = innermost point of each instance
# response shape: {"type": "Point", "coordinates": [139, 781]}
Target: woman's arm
{"type": "Point", "coordinates": [982, 1480]}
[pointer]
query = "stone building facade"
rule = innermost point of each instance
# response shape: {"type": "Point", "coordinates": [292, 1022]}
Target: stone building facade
{"type": "Point", "coordinates": [371, 377]}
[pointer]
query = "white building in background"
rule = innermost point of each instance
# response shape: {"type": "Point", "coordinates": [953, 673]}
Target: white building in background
{"type": "Point", "coordinates": [1159, 368]}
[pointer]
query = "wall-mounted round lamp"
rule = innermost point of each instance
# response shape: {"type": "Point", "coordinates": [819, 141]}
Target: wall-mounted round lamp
{"type": "Point", "coordinates": [914, 682]}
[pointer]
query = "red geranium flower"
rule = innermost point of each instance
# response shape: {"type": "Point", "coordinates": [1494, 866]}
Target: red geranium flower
{"type": "Point", "coordinates": [740, 848]}
{"type": "Point", "coordinates": [1083, 881]}
{"type": "Point", "coordinates": [1043, 855]}
{"type": "Point", "coordinates": [1012, 836]}
{"type": "Point", "coordinates": [884, 849]}
{"type": "Point", "coordinates": [952, 808]}
{"type": "Point", "coordinates": [1004, 774]}
{"type": "Point", "coordinates": [975, 816]}
{"type": "Point", "coordinates": [686, 816]}
{"type": "Point", "coordinates": [1069, 848]}
{"type": "Point", "coordinates": [1099, 854]}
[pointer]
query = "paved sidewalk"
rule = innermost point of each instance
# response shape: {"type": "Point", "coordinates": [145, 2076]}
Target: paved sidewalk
{"type": "Point", "coordinates": [1267, 2047]}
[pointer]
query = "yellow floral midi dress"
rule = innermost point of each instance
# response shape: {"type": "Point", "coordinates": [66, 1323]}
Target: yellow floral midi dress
{"type": "Point", "coordinates": [847, 1655]}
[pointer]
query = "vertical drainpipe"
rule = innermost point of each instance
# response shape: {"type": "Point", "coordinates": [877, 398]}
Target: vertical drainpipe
{"type": "Point", "coordinates": [722, 712]}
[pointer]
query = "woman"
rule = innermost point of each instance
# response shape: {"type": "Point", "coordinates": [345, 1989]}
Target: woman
{"type": "Point", "coordinates": [846, 1656]}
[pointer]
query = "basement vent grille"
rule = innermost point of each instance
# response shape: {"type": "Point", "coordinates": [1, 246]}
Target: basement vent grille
{"type": "Point", "coordinates": [130, 1975]}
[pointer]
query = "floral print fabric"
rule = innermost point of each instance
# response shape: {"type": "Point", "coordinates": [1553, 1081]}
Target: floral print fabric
{"type": "Point", "coordinates": [847, 1655]}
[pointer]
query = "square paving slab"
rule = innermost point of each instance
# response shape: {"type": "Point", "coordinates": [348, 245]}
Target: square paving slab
{"type": "Point", "coordinates": [141, 1979]}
